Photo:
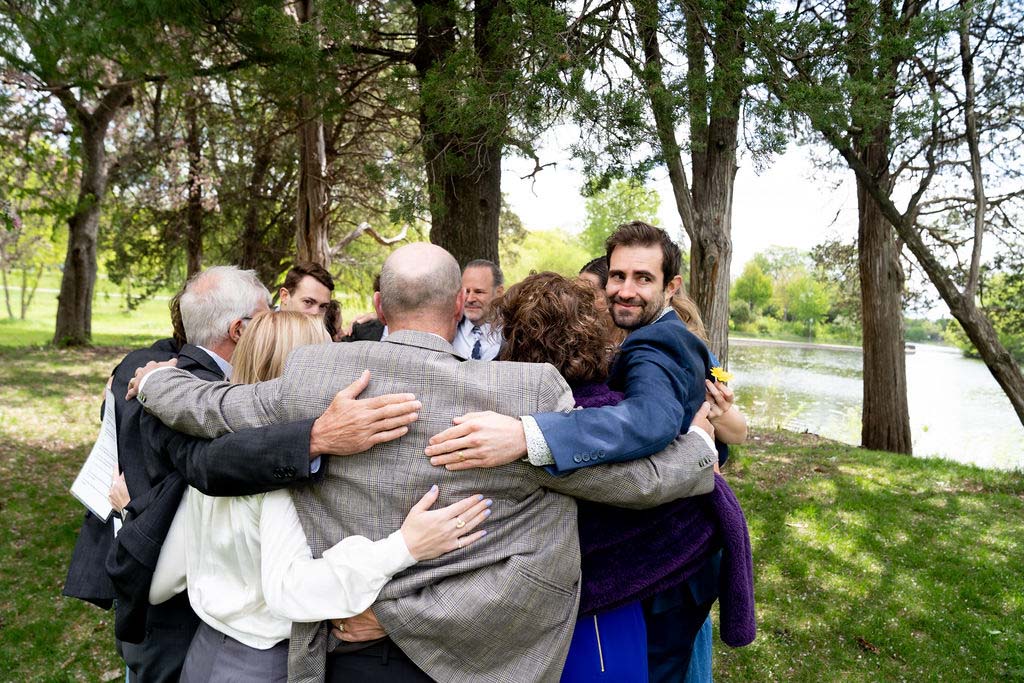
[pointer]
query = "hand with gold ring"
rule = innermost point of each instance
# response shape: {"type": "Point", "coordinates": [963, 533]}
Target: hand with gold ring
{"type": "Point", "coordinates": [432, 533]}
{"type": "Point", "coordinates": [360, 628]}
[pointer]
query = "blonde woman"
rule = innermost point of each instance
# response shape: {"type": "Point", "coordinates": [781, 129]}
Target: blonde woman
{"type": "Point", "coordinates": [245, 560]}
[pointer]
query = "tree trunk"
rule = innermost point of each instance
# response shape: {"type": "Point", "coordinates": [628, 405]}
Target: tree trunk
{"type": "Point", "coordinates": [252, 235]}
{"type": "Point", "coordinates": [885, 421]}
{"type": "Point", "coordinates": [311, 225]}
{"type": "Point", "coordinates": [706, 208]}
{"type": "Point", "coordinates": [885, 417]}
{"type": "Point", "coordinates": [194, 210]}
{"type": "Point", "coordinates": [74, 304]}
{"type": "Point", "coordinates": [7, 292]}
{"type": "Point", "coordinates": [463, 166]}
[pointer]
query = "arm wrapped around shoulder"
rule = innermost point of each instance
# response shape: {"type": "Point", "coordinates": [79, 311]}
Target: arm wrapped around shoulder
{"type": "Point", "coordinates": [684, 468]}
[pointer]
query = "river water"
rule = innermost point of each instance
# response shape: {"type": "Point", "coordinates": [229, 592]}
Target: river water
{"type": "Point", "coordinates": [957, 410]}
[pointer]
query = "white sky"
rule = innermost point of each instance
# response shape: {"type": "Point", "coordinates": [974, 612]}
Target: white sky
{"type": "Point", "coordinates": [789, 204]}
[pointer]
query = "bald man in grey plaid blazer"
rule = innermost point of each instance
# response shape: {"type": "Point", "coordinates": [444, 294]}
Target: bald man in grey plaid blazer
{"type": "Point", "coordinates": [503, 609]}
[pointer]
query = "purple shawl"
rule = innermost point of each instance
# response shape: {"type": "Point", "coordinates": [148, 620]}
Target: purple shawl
{"type": "Point", "coordinates": [629, 555]}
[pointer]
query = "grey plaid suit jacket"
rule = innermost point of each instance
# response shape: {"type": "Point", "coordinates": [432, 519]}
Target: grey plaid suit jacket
{"type": "Point", "coordinates": [500, 610]}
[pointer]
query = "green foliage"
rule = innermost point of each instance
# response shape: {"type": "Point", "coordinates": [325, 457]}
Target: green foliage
{"type": "Point", "coordinates": [1003, 302]}
{"type": "Point", "coordinates": [541, 250]}
{"type": "Point", "coordinates": [740, 313]}
{"type": "Point", "coordinates": [752, 287]}
{"type": "Point", "coordinates": [623, 201]}
{"type": "Point", "coordinates": [925, 330]}
{"type": "Point", "coordinates": [835, 262]}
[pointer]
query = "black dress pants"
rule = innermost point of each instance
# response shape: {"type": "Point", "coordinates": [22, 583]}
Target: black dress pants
{"type": "Point", "coordinates": [169, 630]}
{"type": "Point", "coordinates": [381, 662]}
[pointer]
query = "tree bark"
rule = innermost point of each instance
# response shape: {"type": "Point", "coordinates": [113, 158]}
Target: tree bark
{"type": "Point", "coordinates": [463, 166]}
{"type": "Point", "coordinates": [885, 416]}
{"type": "Point", "coordinates": [252, 235]}
{"type": "Point", "coordinates": [885, 419]}
{"type": "Point", "coordinates": [194, 209]}
{"type": "Point", "coordinates": [705, 208]}
{"type": "Point", "coordinates": [74, 305]}
{"type": "Point", "coordinates": [311, 212]}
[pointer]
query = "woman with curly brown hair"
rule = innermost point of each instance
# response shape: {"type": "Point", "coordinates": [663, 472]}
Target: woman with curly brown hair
{"type": "Point", "coordinates": [627, 555]}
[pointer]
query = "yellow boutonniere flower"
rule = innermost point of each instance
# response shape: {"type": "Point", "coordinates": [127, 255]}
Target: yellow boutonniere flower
{"type": "Point", "coordinates": [721, 374]}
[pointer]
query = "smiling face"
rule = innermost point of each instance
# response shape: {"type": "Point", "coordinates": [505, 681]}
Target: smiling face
{"type": "Point", "coordinates": [310, 297]}
{"type": "Point", "coordinates": [636, 289]}
{"type": "Point", "coordinates": [478, 284]}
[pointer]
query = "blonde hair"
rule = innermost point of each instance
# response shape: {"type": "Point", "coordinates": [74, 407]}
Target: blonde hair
{"type": "Point", "coordinates": [687, 310]}
{"type": "Point", "coordinates": [267, 341]}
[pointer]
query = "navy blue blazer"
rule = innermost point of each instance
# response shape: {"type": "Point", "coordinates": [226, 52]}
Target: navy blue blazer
{"type": "Point", "coordinates": [661, 369]}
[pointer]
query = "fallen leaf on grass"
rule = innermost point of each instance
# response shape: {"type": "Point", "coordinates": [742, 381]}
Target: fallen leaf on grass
{"type": "Point", "coordinates": [866, 646]}
{"type": "Point", "coordinates": [115, 675]}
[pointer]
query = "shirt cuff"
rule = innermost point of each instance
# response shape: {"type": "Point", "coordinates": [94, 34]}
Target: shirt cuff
{"type": "Point", "coordinates": [537, 451]}
{"type": "Point", "coordinates": [314, 465]}
{"type": "Point", "coordinates": [707, 438]}
{"type": "Point", "coordinates": [398, 553]}
{"type": "Point", "coordinates": [150, 374]}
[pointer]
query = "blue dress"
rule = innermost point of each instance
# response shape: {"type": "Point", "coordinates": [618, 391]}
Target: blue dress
{"type": "Point", "coordinates": [611, 646]}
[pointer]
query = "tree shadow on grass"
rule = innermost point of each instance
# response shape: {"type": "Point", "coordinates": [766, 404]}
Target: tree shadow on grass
{"type": "Point", "coordinates": [885, 567]}
{"type": "Point", "coordinates": [45, 634]}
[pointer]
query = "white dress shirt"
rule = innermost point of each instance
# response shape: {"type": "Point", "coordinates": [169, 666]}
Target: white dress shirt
{"type": "Point", "coordinates": [465, 339]}
{"type": "Point", "coordinates": [250, 572]}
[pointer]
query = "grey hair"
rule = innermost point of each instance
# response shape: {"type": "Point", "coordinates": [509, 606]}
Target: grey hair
{"type": "Point", "coordinates": [216, 297]}
{"type": "Point", "coordinates": [432, 288]}
{"type": "Point", "coordinates": [499, 277]}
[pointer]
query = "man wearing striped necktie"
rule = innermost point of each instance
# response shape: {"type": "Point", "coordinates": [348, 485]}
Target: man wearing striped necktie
{"type": "Point", "coordinates": [482, 281]}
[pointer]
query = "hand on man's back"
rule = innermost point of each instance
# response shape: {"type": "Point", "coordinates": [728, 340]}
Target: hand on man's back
{"type": "Point", "coordinates": [351, 425]}
{"type": "Point", "coordinates": [485, 439]}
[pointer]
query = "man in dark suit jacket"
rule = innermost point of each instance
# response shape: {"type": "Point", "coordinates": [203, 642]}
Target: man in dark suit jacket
{"type": "Point", "coordinates": [87, 576]}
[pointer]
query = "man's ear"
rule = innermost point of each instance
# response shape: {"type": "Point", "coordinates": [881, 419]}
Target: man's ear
{"type": "Point", "coordinates": [460, 303]}
{"type": "Point", "coordinates": [376, 307]}
{"type": "Point", "coordinates": [282, 296]}
{"type": "Point", "coordinates": [236, 329]}
{"type": "Point", "coordinates": [500, 290]}
{"type": "Point", "coordinates": [673, 286]}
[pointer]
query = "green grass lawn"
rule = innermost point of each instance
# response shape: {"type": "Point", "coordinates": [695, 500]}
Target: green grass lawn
{"type": "Point", "coordinates": [868, 566]}
{"type": "Point", "coordinates": [112, 324]}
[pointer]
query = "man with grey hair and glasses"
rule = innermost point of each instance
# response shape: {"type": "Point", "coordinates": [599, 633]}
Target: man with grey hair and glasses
{"type": "Point", "coordinates": [215, 308]}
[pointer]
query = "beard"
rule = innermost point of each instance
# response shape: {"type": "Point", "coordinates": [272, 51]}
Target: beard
{"type": "Point", "coordinates": [634, 313]}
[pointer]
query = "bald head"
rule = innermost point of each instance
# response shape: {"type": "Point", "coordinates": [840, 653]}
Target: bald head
{"type": "Point", "coordinates": [420, 281]}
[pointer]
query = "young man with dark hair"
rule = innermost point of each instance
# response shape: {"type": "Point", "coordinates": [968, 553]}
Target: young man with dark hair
{"type": "Point", "coordinates": [307, 289]}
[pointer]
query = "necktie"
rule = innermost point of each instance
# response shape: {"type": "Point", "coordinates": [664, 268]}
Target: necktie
{"type": "Point", "coordinates": [475, 355]}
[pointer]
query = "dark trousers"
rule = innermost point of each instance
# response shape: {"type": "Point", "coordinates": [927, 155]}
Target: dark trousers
{"type": "Point", "coordinates": [674, 617]}
{"type": "Point", "coordinates": [169, 630]}
{"type": "Point", "coordinates": [381, 662]}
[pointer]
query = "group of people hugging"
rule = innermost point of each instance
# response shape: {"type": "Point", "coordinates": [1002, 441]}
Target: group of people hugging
{"type": "Point", "coordinates": [474, 484]}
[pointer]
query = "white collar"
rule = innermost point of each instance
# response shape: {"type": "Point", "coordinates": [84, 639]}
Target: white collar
{"type": "Point", "coordinates": [224, 366]}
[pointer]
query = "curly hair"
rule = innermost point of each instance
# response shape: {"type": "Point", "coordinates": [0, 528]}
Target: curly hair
{"type": "Point", "coordinates": [548, 318]}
